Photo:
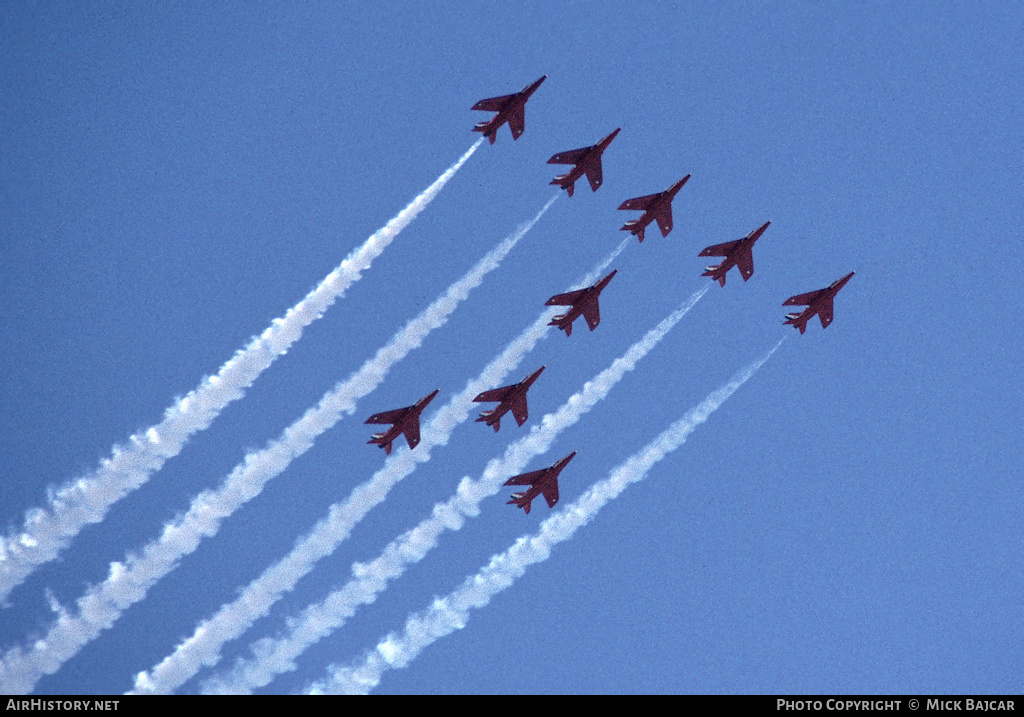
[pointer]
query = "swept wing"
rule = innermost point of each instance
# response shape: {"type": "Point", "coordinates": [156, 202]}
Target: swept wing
{"type": "Point", "coordinates": [572, 156]}
{"type": "Point", "coordinates": [663, 216]}
{"type": "Point", "coordinates": [493, 104]}
{"type": "Point", "coordinates": [723, 249]}
{"type": "Point", "coordinates": [389, 416]}
{"type": "Point", "coordinates": [639, 203]}
{"type": "Point", "coordinates": [567, 299]}
{"type": "Point", "coordinates": [803, 299]}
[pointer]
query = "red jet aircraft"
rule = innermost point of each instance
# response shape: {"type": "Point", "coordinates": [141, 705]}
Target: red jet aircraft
{"type": "Point", "coordinates": [406, 420]}
{"type": "Point", "coordinates": [510, 108]}
{"type": "Point", "coordinates": [817, 302]}
{"type": "Point", "coordinates": [583, 301]}
{"type": "Point", "coordinates": [587, 161]}
{"type": "Point", "coordinates": [511, 398]}
{"type": "Point", "coordinates": [736, 253]}
{"type": "Point", "coordinates": [543, 481]}
{"type": "Point", "coordinates": [655, 207]}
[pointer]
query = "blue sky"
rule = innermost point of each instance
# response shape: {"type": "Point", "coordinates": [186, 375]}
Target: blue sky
{"type": "Point", "coordinates": [176, 177]}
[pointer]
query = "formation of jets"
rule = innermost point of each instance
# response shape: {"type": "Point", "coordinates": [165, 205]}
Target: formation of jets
{"type": "Point", "coordinates": [656, 208]}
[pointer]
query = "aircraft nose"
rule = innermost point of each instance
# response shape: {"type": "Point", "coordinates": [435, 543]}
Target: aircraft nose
{"type": "Point", "coordinates": [679, 186]}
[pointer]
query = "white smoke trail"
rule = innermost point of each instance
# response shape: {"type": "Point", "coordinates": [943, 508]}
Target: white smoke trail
{"type": "Point", "coordinates": [274, 656]}
{"type": "Point", "coordinates": [129, 581]}
{"type": "Point", "coordinates": [452, 612]}
{"type": "Point", "coordinates": [47, 531]}
{"type": "Point", "coordinates": [233, 619]}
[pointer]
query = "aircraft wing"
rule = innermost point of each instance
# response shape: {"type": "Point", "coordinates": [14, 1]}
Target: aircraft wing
{"type": "Point", "coordinates": [664, 218]}
{"type": "Point", "coordinates": [550, 492]}
{"type": "Point", "coordinates": [640, 203]}
{"type": "Point", "coordinates": [802, 299]}
{"type": "Point", "coordinates": [825, 312]}
{"type": "Point", "coordinates": [492, 104]}
{"type": "Point", "coordinates": [527, 478]}
{"type": "Point", "coordinates": [573, 156]}
{"type": "Point", "coordinates": [567, 299]}
{"type": "Point", "coordinates": [519, 409]}
{"type": "Point", "coordinates": [388, 416]}
{"type": "Point", "coordinates": [720, 249]}
{"type": "Point", "coordinates": [412, 434]}
{"type": "Point", "coordinates": [495, 394]}
{"type": "Point", "coordinates": [517, 121]}
{"type": "Point", "coordinates": [595, 174]}
{"type": "Point", "coordinates": [745, 261]}
{"type": "Point", "coordinates": [592, 313]}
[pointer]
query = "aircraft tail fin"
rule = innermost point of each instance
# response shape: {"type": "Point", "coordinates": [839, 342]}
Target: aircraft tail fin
{"type": "Point", "coordinates": [567, 186]}
{"type": "Point", "coordinates": [482, 127]}
{"type": "Point", "coordinates": [485, 416]}
{"type": "Point", "coordinates": [632, 226]}
{"type": "Point", "coordinates": [560, 322]}
{"type": "Point", "coordinates": [714, 273]}
{"type": "Point", "coordinates": [519, 499]}
{"type": "Point", "coordinates": [792, 319]}
{"type": "Point", "coordinates": [377, 439]}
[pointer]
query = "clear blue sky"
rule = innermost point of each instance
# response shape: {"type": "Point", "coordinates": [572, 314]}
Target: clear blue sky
{"type": "Point", "coordinates": [174, 177]}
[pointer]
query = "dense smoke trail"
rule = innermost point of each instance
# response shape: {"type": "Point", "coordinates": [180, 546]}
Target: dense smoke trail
{"type": "Point", "coordinates": [274, 656]}
{"type": "Point", "coordinates": [129, 581]}
{"type": "Point", "coordinates": [452, 612]}
{"type": "Point", "coordinates": [233, 619]}
{"type": "Point", "coordinates": [47, 531]}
